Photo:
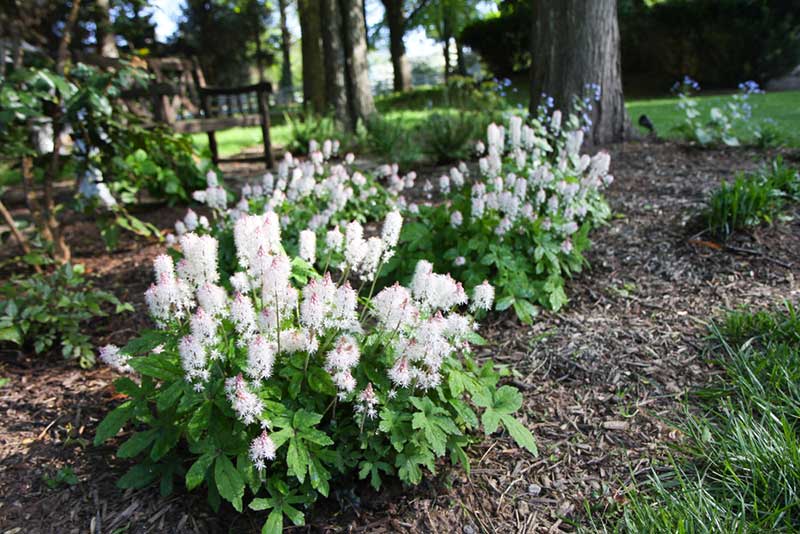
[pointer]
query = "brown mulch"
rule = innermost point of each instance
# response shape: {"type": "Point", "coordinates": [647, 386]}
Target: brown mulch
{"type": "Point", "coordinates": [601, 380]}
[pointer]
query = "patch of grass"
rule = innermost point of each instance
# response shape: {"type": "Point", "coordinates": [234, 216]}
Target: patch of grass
{"type": "Point", "coordinates": [231, 142]}
{"type": "Point", "coordinates": [781, 109]}
{"type": "Point", "coordinates": [738, 469]}
{"type": "Point", "coordinates": [752, 198]}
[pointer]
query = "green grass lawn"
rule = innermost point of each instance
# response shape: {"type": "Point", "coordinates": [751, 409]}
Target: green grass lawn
{"type": "Point", "coordinates": [783, 108]}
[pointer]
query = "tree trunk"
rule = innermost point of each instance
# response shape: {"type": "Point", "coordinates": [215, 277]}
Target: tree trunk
{"type": "Point", "coordinates": [576, 42]}
{"type": "Point", "coordinates": [313, 70]}
{"type": "Point", "coordinates": [355, 41]}
{"type": "Point", "coordinates": [106, 42]}
{"type": "Point", "coordinates": [397, 48]}
{"type": "Point", "coordinates": [461, 65]}
{"type": "Point", "coordinates": [286, 85]}
{"type": "Point", "coordinates": [446, 52]}
{"type": "Point", "coordinates": [336, 87]}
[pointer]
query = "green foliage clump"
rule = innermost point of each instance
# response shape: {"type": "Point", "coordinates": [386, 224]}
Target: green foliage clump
{"type": "Point", "coordinates": [273, 397]}
{"type": "Point", "coordinates": [752, 198]}
{"type": "Point", "coordinates": [522, 221]}
{"type": "Point", "coordinates": [305, 129]}
{"type": "Point", "coordinates": [446, 137]}
{"type": "Point", "coordinates": [739, 465]}
{"type": "Point", "coordinates": [42, 310]}
{"type": "Point", "coordinates": [107, 149]}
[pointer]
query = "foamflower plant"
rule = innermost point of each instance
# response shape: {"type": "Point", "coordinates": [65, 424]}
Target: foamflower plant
{"type": "Point", "coordinates": [267, 387]}
{"type": "Point", "coordinates": [522, 218]}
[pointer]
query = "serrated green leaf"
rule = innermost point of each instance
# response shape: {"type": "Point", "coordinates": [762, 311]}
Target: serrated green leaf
{"type": "Point", "coordinates": [113, 422]}
{"type": "Point", "coordinates": [197, 472]}
{"type": "Point", "coordinates": [136, 443]}
{"type": "Point", "coordinates": [228, 481]}
{"type": "Point", "coordinates": [138, 476]}
{"type": "Point", "coordinates": [521, 435]}
{"type": "Point", "coordinates": [274, 524]}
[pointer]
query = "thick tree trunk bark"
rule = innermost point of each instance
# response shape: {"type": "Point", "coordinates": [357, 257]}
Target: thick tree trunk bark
{"type": "Point", "coordinates": [576, 42]}
{"type": "Point", "coordinates": [397, 48]}
{"type": "Point", "coordinates": [286, 85]}
{"type": "Point", "coordinates": [313, 69]}
{"type": "Point", "coordinates": [355, 41]}
{"type": "Point", "coordinates": [335, 63]}
{"type": "Point", "coordinates": [106, 42]}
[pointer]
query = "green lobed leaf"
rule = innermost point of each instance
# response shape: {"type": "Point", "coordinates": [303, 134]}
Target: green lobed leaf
{"type": "Point", "coordinates": [229, 482]}
{"type": "Point", "coordinates": [113, 422]}
{"type": "Point", "coordinates": [197, 472]}
{"type": "Point", "coordinates": [521, 435]}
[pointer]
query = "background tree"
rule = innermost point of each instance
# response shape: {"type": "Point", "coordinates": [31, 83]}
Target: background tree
{"type": "Point", "coordinates": [313, 66]}
{"type": "Point", "coordinates": [401, 16]}
{"type": "Point", "coordinates": [576, 43]}
{"type": "Point", "coordinates": [227, 36]}
{"type": "Point", "coordinates": [286, 84]}
{"type": "Point", "coordinates": [444, 20]}
{"type": "Point", "coordinates": [355, 41]}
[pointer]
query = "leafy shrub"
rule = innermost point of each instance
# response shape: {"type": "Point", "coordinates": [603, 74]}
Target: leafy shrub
{"type": "Point", "coordinates": [279, 393]}
{"type": "Point", "coordinates": [752, 198]}
{"type": "Point", "coordinates": [523, 222]}
{"type": "Point", "coordinates": [389, 139]}
{"type": "Point", "coordinates": [449, 137]}
{"type": "Point", "coordinates": [42, 310]}
{"type": "Point", "coordinates": [107, 148]}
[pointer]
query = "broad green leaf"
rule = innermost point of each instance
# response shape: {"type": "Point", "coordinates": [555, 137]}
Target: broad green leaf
{"type": "Point", "coordinates": [507, 400]}
{"type": "Point", "coordinates": [197, 473]}
{"type": "Point", "coordinates": [113, 422]}
{"type": "Point", "coordinates": [138, 476]}
{"type": "Point", "coordinates": [274, 524]}
{"type": "Point", "coordinates": [229, 482]}
{"type": "Point", "coordinates": [136, 444]}
{"type": "Point", "coordinates": [297, 459]}
{"type": "Point", "coordinates": [521, 435]}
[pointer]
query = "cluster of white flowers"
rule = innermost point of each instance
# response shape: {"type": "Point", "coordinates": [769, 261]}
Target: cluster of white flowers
{"type": "Point", "coordinates": [214, 195]}
{"type": "Point", "coordinates": [272, 319]}
{"type": "Point", "coordinates": [326, 185]}
{"type": "Point", "coordinates": [532, 175]}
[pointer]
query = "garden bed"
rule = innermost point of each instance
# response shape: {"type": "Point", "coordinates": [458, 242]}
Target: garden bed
{"type": "Point", "coordinates": [600, 379]}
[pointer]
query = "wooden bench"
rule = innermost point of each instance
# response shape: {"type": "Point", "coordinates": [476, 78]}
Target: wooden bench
{"type": "Point", "coordinates": [182, 100]}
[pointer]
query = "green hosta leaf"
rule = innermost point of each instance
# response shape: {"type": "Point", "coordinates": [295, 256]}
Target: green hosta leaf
{"type": "Point", "coordinates": [521, 435]}
{"type": "Point", "coordinates": [197, 473]}
{"type": "Point", "coordinates": [229, 482]}
{"type": "Point", "coordinates": [113, 422]}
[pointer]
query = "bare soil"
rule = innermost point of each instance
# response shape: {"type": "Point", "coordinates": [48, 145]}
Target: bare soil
{"type": "Point", "coordinates": [602, 380]}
